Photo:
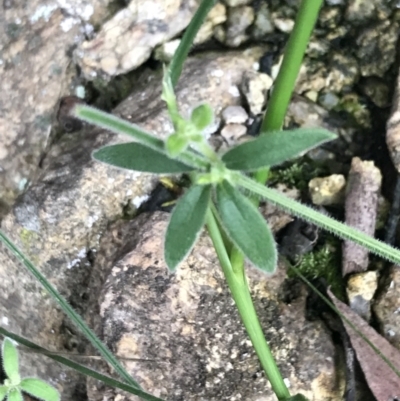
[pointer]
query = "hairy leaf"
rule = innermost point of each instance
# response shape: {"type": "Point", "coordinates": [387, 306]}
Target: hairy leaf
{"type": "Point", "coordinates": [202, 116]}
{"type": "Point", "coordinates": [274, 148]}
{"type": "Point", "coordinates": [40, 389]}
{"type": "Point", "coordinates": [138, 157]}
{"type": "Point", "coordinates": [246, 227]}
{"type": "Point", "coordinates": [187, 219]}
{"type": "Point", "coordinates": [10, 361]}
{"type": "Point", "coordinates": [3, 392]}
{"type": "Point", "coordinates": [15, 395]}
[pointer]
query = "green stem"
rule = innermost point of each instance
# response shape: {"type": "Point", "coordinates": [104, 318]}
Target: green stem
{"type": "Point", "coordinates": [183, 49]}
{"type": "Point", "coordinates": [278, 104]}
{"type": "Point", "coordinates": [237, 283]}
{"type": "Point", "coordinates": [289, 70]}
{"type": "Point", "coordinates": [69, 311]}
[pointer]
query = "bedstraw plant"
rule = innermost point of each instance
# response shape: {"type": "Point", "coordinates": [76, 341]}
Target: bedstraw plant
{"type": "Point", "coordinates": [223, 196]}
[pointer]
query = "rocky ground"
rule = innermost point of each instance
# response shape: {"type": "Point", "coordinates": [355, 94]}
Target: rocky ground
{"type": "Point", "coordinates": [73, 217]}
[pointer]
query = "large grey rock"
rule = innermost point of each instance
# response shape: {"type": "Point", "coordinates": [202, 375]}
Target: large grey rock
{"type": "Point", "coordinates": [35, 38]}
{"type": "Point", "coordinates": [187, 325]}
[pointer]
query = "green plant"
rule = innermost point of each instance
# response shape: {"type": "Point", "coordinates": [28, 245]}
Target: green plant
{"type": "Point", "coordinates": [13, 386]}
{"type": "Point", "coordinates": [216, 196]}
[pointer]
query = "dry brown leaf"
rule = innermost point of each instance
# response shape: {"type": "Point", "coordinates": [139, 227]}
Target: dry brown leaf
{"type": "Point", "coordinates": [382, 380]}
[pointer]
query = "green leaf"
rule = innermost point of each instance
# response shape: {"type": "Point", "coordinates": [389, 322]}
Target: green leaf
{"type": "Point", "coordinates": [15, 395]}
{"type": "Point", "coordinates": [40, 389]}
{"type": "Point", "coordinates": [202, 116]}
{"type": "Point", "coordinates": [138, 157]}
{"type": "Point", "coordinates": [176, 144]}
{"type": "Point", "coordinates": [10, 361]}
{"type": "Point", "coordinates": [187, 219]}
{"type": "Point", "coordinates": [274, 148]}
{"type": "Point", "coordinates": [3, 392]}
{"type": "Point", "coordinates": [117, 125]}
{"type": "Point", "coordinates": [246, 227]}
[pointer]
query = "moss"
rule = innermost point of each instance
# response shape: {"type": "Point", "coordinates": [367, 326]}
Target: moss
{"type": "Point", "coordinates": [27, 237]}
{"type": "Point", "coordinates": [323, 263]}
{"type": "Point", "coordinates": [297, 174]}
{"type": "Point", "coordinates": [353, 105]}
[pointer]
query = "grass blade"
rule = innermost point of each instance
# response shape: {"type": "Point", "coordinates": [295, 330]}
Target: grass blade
{"type": "Point", "coordinates": [176, 65]}
{"type": "Point", "coordinates": [69, 311]}
{"type": "Point", "coordinates": [82, 369]}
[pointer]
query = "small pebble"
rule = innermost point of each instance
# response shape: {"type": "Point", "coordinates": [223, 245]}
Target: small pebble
{"type": "Point", "coordinates": [255, 86]}
{"type": "Point", "coordinates": [234, 115]}
{"type": "Point", "coordinates": [327, 191]}
{"type": "Point", "coordinates": [328, 100]}
{"type": "Point", "coordinates": [232, 132]}
{"type": "Point", "coordinates": [166, 51]}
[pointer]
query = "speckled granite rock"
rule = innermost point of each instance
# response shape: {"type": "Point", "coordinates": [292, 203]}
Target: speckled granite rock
{"type": "Point", "coordinates": [187, 325]}
{"type": "Point", "coordinates": [35, 38]}
{"type": "Point", "coordinates": [127, 40]}
{"type": "Point", "coordinates": [59, 221]}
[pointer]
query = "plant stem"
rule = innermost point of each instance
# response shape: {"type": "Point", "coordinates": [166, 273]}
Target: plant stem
{"type": "Point", "coordinates": [182, 51]}
{"type": "Point", "coordinates": [237, 283]}
{"type": "Point", "coordinates": [291, 63]}
{"type": "Point", "coordinates": [273, 120]}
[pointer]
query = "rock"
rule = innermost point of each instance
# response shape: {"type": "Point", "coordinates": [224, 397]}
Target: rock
{"type": "Point", "coordinates": [360, 291]}
{"type": "Point", "coordinates": [305, 113]}
{"type": "Point", "coordinates": [237, 3]}
{"type": "Point", "coordinates": [187, 324]}
{"type": "Point", "coordinates": [232, 132]}
{"type": "Point", "coordinates": [359, 12]}
{"type": "Point", "coordinates": [284, 25]}
{"type": "Point", "coordinates": [377, 91]}
{"type": "Point", "coordinates": [327, 191]}
{"type": "Point", "coordinates": [234, 115]}
{"type": "Point", "coordinates": [166, 51]}
{"type": "Point", "coordinates": [34, 43]}
{"type": "Point", "coordinates": [254, 87]}
{"type": "Point", "coordinates": [328, 100]}
{"type": "Point", "coordinates": [127, 40]}
{"type": "Point", "coordinates": [59, 221]}
{"type": "Point", "coordinates": [311, 95]}
{"type": "Point", "coordinates": [215, 17]}
{"type": "Point", "coordinates": [387, 307]}
{"type": "Point", "coordinates": [263, 23]}
{"type": "Point", "coordinates": [339, 73]}
{"type": "Point", "coordinates": [376, 48]}
{"type": "Point", "coordinates": [218, 143]}
{"type": "Point", "coordinates": [239, 19]}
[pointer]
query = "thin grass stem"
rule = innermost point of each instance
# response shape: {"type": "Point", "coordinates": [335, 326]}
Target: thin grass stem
{"type": "Point", "coordinates": [69, 311]}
